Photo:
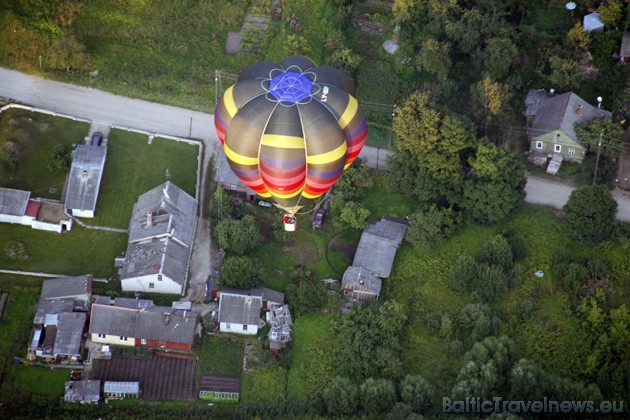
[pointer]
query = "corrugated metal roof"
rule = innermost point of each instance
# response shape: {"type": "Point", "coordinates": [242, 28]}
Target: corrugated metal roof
{"type": "Point", "coordinates": [77, 391]}
{"type": "Point", "coordinates": [69, 333]}
{"type": "Point", "coordinates": [64, 287]}
{"type": "Point", "coordinates": [164, 256]}
{"type": "Point", "coordinates": [363, 277]}
{"type": "Point", "coordinates": [155, 323]}
{"type": "Point", "coordinates": [13, 202]}
{"type": "Point", "coordinates": [238, 309]}
{"type": "Point", "coordinates": [85, 177]}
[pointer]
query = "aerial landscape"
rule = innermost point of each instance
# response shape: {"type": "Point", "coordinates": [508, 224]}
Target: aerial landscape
{"type": "Point", "coordinates": [272, 209]}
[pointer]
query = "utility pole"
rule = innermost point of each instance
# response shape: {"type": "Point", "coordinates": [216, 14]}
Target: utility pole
{"type": "Point", "coordinates": [599, 147]}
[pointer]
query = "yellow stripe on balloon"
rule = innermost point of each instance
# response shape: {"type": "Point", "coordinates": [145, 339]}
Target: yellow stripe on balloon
{"type": "Point", "coordinates": [278, 195]}
{"type": "Point", "coordinates": [240, 159]}
{"type": "Point", "coordinates": [349, 113]}
{"type": "Point", "coordinates": [228, 100]}
{"type": "Point", "coordinates": [328, 157]}
{"type": "Point", "coordinates": [284, 142]}
{"type": "Point", "coordinates": [307, 195]}
{"type": "Point", "coordinates": [264, 194]}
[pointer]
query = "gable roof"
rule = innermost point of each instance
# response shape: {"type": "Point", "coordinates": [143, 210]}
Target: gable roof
{"type": "Point", "coordinates": [66, 287]}
{"type": "Point", "coordinates": [265, 293]}
{"type": "Point", "coordinates": [85, 177]}
{"type": "Point", "coordinates": [367, 280]}
{"type": "Point", "coordinates": [378, 245]}
{"type": "Point", "coordinates": [560, 112]}
{"type": "Point", "coordinates": [239, 309]}
{"type": "Point", "coordinates": [155, 323]}
{"type": "Point", "coordinates": [83, 391]}
{"type": "Point", "coordinates": [70, 328]}
{"type": "Point", "coordinates": [158, 256]}
{"type": "Point", "coordinates": [124, 302]}
{"type": "Point", "coordinates": [13, 202]}
{"type": "Point", "coordinates": [172, 213]}
{"type": "Point", "coordinates": [218, 383]}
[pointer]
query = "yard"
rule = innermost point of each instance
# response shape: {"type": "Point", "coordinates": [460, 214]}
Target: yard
{"type": "Point", "coordinates": [219, 355]}
{"type": "Point", "coordinates": [39, 380]}
{"type": "Point", "coordinates": [133, 167]}
{"type": "Point", "coordinates": [25, 142]}
{"type": "Point", "coordinates": [80, 251]}
{"type": "Point", "coordinates": [16, 323]}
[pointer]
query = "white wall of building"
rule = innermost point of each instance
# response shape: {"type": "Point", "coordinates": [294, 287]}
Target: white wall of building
{"type": "Point", "coordinates": [144, 283]}
{"type": "Point", "coordinates": [88, 214]}
{"type": "Point", "coordinates": [114, 339]}
{"type": "Point", "coordinates": [238, 328]}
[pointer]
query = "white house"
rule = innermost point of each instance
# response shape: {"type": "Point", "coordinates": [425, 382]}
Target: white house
{"type": "Point", "coordinates": [239, 313]}
{"type": "Point", "coordinates": [161, 233]}
{"type": "Point", "coordinates": [84, 180]}
{"type": "Point", "coordinates": [16, 206]}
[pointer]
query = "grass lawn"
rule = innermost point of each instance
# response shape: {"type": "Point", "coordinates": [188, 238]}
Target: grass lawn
{"type": "Point", "coordinates": [266, 384]}
{"type": "Point", "coordinates": [220, 355]}
{"type": "Point", "coordinates": [40, 380]}
{"type": "Point", "coordinates": [80, 251]}
{"type": "Point", "coordinates": [30, 136]}
{"type": "Point", "coordinates": [16, 322]}
{"type": "Point", "coordinates": [133, 167]}
{"type": "Point", "coordinates": [311, 360]}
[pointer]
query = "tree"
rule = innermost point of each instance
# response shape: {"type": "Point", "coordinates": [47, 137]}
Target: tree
{"type": "Point", "coordinates": [341, 397]}
{"type": "Point", "coordinates": [405, 10]}
{"type": "Point", "coordinates": [432, 227]}
{"type": "Point", "coordinates": [498, 57]}
{"type": "Point", "coordinates": [463, 274]}
{"type": "Point", "coordinates": [435, 58]}
{"type": "Point", "coordinates": [305, 294]}
{"type": "Point", "coordinates": [590, 214]}
{"type": "Point", "coordinates": [478, 321]}
{"type": "Point", "coordinates": [433, 138]}
{"type": "Point", "coordinates": [486, 369]}
{"type": "Point", "coordinates": [345, 59]}
{"type": "Point", "coordinates": [296, 45]}
{"type": "Point", "coordinates": [488, 100]}
{"type": "Point", "coordinates": [238, 236]}
{"type": "Point", "coordinates": [578, 37]}
{"type": "Point", "coordinates": [496, 251]}
{"type": "Point", "coordinates": [496, 185]}
{"type": "Point", "coordinates": [354, 215]}
{"type": "Point", "coordinates": [67, 53]}
{"type": "Point", "coordinates": [491, 283]}
{"type": "Point", "coordinates": [518, 245]}
{"type": "Point", "coordinates": [610, 12]}
{"type": "Point", "coordinates": [565, 73]}
{"type": "Point", "coordinates": [377, 396]}
{"type": "Point", "coordinates": [417, 393]}
{"type": "Point", "coordinates": [604, 131]}
{"type": "Point", "coordinates": [59, 156]}
{"type": "Point", "coordinates": [240, 272]}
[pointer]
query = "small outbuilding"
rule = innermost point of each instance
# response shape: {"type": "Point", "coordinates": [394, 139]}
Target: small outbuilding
{"type": "Point", "coordinates": [119, 390]}
{"type": "Point", "coordinates": [624, 51]}
{"type": "Point", "coordinates": [84, 392]}
{"type": "Point", "coordinates": [592, 23]}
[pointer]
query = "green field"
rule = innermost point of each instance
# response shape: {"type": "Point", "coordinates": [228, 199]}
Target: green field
{"type": "Point", "coordinates": [40, 380]}
{"type": "Point", "coordinates": [266, 384]}
{"type": "Point", "coordinates": [29, 136]}
{"type": "Point", "coordinates": [133, 167]}
{"type": "Point", "coordinates": [16, 322]}
{"type": "Point", "coordinates": [220, 355]}
{"type": "Point", "coordinates": [80, 251]}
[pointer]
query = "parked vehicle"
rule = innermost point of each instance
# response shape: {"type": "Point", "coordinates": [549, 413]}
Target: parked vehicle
{"type": "Point", "coordinates": [97, 138]}
{"type": "Point", "coordinates": [318, 221]}
{"type": "Point", "coordinates": [263, 203]}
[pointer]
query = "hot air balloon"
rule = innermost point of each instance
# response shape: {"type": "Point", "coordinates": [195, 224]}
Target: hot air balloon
{"type": "Point", "coordinates": [289, 130]}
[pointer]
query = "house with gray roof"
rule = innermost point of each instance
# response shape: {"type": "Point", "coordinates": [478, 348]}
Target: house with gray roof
{"type": "Point", "coordinates": [161, 234]}
{"type": "Point", "coordinates": [84, 180]}
{"type": "Point", "coordinates": [84, 392]}
{"type": "Point", "coordinates": [374, 258]}
{"type": "Point", "coordinates": [143, 326]}
{"type": "Point", "coordinates": [17, 206]}
{"type": "Point", "coordinates": [60, 319]}
{"type": "Point", "coordinates": [551, 124]}
{"type": "Point", "coordinates": [239, 313]}
{"type": "Point", "coordinates": [270, 298]}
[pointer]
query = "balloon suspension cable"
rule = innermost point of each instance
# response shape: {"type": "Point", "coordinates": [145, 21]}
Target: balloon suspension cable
{"type": "Point", "coordinates": [317, 205]}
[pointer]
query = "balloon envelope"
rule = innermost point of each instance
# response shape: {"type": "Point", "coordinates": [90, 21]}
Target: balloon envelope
{"type": "Point", "coordinates": [290, 129]}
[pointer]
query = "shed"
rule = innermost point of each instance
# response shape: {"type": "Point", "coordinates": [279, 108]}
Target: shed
{"type": "Point", "coordinates": [220, 388]}
{"type": "Point", "coordinates": [84, 180]}
{"type": "Point", "coordinates": [85, 392]}
{"type": "Point", "coordinates": [624, 52]}
{"type": "Point", "coordinates": [114, 389]}
{"type": "Point", "coordinates": [592, 22]}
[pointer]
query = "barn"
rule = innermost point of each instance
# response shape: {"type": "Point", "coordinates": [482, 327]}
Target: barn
{"type": "Point", "coordinates": [84, 180]}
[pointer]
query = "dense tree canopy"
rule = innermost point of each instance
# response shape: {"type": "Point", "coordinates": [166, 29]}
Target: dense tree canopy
{"type": "Point", "coordinates": [240, 272]}
{"type": "Point", "coordinates": [238, 236]}
{"type": "Point", "coordinates": [590, 214]}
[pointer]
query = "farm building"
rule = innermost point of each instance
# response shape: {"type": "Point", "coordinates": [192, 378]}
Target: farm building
{"type": "Point", "coordinates": [225, 177]}
{"type": "Point", "coordinates": [142, 326]}
{"type": "Point", "coordinates": [119, 390]}
{"type": "Point", "coordinates": [161, 234]}
{"type": "Point", "coordinates": [220, 388]}
{"type": "Point", "coordinates": [84, 180]}
{"type": "Point", "coordinates": [239, 313]}
{"type": "Point", "coordinates": [551, 120]}
{"type": "Point", "coordinates": [60, 319]}
{"type": "Point", "coordinates": [280, 322]}
{"type": "Point", "coordinates": [85, 392]}
{"type": "Point", "coordinates": [374, 258]}
{"type": "Point", "coordinates": [269, 297]}
{"type": "Point", "coordinates": [17, 207]}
